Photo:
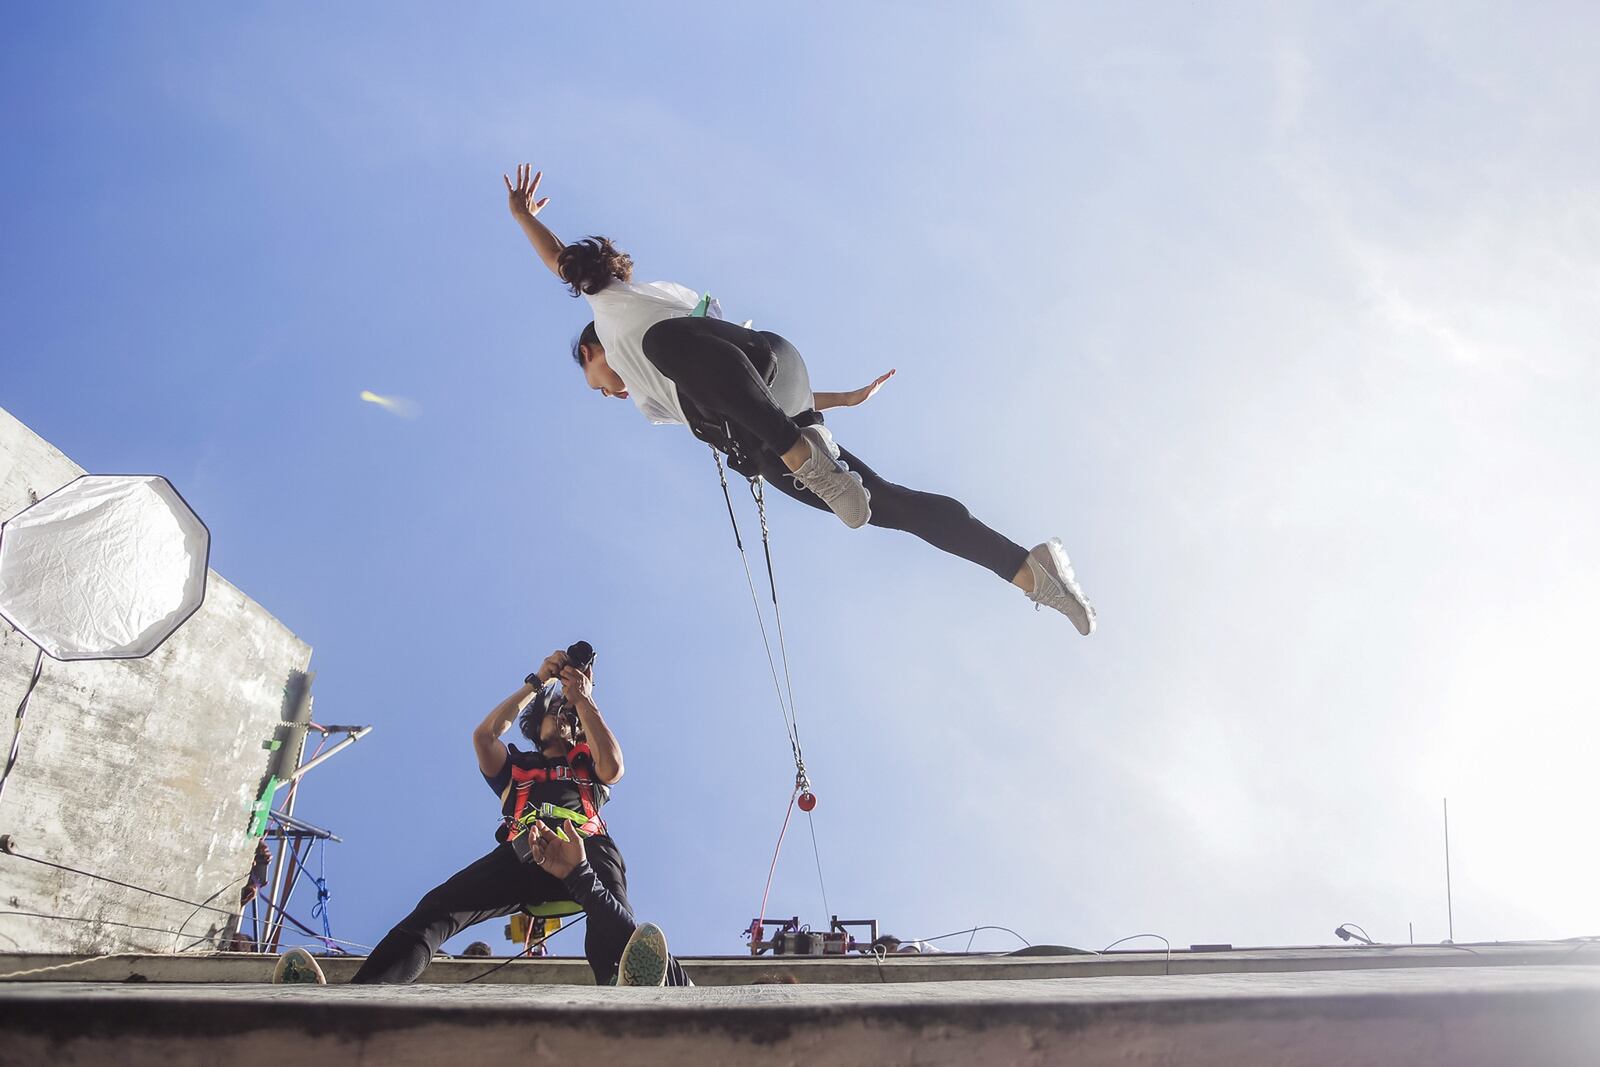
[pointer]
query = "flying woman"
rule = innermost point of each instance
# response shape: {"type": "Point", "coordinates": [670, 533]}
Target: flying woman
{"type": "Point", "coordinates": [748, 394]}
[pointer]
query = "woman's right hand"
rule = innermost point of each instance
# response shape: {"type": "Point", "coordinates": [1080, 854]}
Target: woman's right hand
{"type": "Point", "coordinates": [824, 401]}
{"type": "Point", "coordinates": [524, 194]}
{"type": "Point", "coordinates": [868, 391]}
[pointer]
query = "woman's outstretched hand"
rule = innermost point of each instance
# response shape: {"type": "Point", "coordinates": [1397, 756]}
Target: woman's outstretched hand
{"type": "Point", "coordinates": [867, 392]}
{"type": "Point", "coordinates": [525, 191]}
{"type": "Point", "coordinates": [824, 401]}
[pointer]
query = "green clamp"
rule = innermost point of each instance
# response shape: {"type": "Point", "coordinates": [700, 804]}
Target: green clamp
{"type": "Point", "coordinates": [262, 809]}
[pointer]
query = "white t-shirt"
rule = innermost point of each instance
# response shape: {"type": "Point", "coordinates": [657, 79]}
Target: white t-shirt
{"type": "Point", "coordinates": [623, 311]}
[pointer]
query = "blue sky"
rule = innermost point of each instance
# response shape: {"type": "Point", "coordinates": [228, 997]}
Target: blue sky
{"type": "Point", "coordinates": [1281, 316]}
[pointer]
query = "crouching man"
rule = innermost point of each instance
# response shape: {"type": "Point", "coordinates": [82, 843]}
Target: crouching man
{"type": "Point", "coordinates": [569, 770]}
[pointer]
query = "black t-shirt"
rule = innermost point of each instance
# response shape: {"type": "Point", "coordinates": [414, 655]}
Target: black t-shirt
{"type": "Point", "coordinates": [529, 779]}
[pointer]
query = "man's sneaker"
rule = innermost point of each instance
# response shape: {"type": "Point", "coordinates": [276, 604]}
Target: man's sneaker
{"type": "Point", "coordinates": [1055, 586]}
{"type": "Point", "coordinates": [298, 967]}
{"type": "Point", "coordinates": [644, 960]}
{"type": "Point", "coordinates": [825, 475]}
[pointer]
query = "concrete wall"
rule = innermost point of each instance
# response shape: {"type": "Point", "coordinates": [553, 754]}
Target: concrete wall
{"type": "Point", "coordinates": [139, 770]}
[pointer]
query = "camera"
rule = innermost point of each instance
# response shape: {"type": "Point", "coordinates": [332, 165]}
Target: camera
{"type": "Point", "coordinates": [580, 654]}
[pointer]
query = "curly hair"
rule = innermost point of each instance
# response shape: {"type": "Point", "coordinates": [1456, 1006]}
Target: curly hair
{"type": "Point", "coordinates": [589, 265]}
{"type": "Point", "coordinates": [540, 706]}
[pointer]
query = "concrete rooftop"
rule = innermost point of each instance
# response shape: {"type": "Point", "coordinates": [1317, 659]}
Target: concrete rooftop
{"type": "Point", "coordinates": [1485, 1011]}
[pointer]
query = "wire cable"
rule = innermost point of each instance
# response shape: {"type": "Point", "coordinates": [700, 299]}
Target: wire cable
{"type": "Point", "coordinates": [117, 881]}
{"type": "Point", "coordinates": [62, 966]}
{"type": "Point", "coordinates": [208, 900]}
{"type": "Point", "coordinates": [818, 855]}
{"type": "Point", "coordinates": [284, 916]}
{"type": "Point", "coordinates": [801, 779]}
{"type": "Point", "coordinates": [1353, 926]}
{"type": "Point", "coordinates": [527, 950]}
{"type": "Point", "coordinates": [1134, 937]}
{"type": "Point", "coordinates": [974, 930]}
{"type": "Point", "coordinates": [102, 922]}
{"type": "Point", "coordinates": [759, 493]}
{"type": "Point", "coordinates": [762, 911]}
{"type": "Point", "coordinates": [22, 710]}
{"type": "Point", "coordinates": [127, 926]}
{"type": "Point", "coordinates": [761, 620]}
{"type": "Point", "coordinates": [786, 710]}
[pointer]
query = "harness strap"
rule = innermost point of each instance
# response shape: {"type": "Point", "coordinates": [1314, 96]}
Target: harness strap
{"type": "Point", "coordinates": [523, 778]}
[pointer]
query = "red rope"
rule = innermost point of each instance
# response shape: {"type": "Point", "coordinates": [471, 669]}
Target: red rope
{"type": "Point", "coordinates": [772, 869]}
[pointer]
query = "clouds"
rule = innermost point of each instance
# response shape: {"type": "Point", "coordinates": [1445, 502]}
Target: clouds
{"type": "Point", "coordinates": [1477, 255]}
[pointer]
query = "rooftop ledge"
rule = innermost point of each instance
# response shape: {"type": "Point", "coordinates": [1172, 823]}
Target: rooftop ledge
{"type": "Point", "coordinates": [1415, 1006]}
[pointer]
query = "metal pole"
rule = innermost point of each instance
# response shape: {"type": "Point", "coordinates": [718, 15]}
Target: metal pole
{"type": "Point", "coordinates": [293, 874]}
{"type": "Point", "coordinates": [1449, 900]}
{"type": "Point", "coordinates": [294, 727]}
{"type": "Point", "coordinates": [289, 822]}
{"type": "Point", "coordinates": [346, 743]}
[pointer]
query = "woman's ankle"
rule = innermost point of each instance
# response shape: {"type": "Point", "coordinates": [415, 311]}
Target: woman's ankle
{"type": "Point", "coordinates": [797, 455]}
{"type": "Point", "coordinates": [1024, 579]}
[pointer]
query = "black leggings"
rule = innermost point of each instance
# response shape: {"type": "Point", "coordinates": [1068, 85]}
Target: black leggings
{"type": "Point", "coordinates": [746, 378]}
{"type": "Point", "coordinates": [727, 373]}
{"type": "Point", "coordinates": [942, 521]}
{"type": "Point", "coordinates": [496, 885]}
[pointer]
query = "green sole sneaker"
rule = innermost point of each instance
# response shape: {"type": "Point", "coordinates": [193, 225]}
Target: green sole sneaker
{"type": "Point", "coordinates": [644, 960]}
{"type": "Point", "coordinates": [298, 967]}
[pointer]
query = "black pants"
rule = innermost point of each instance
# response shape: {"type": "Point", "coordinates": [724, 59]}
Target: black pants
{"type": "Point", "coordinates": [748, 378]}
{"type": "Point", "coordinates": [497, 885]}
{"type": "Point", "coordinates": [727, 373]}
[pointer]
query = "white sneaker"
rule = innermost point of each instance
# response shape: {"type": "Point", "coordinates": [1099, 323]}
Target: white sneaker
{"type": "Point", "coordinates": [644, 959]}
{"type": "Point", "coordinates": [826, 436]}
{"type": "Point", "coordinates": [825, 475]}
{"type": "Point", "coordinates": [1055, 586]}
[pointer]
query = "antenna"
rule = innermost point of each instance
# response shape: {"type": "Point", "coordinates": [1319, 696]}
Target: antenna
{"type": "Point", "coordinates": [1449, 902]}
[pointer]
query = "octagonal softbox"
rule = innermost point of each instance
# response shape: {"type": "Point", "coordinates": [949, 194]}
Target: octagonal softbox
{"type": "Point", "coordinates": [106, 567]}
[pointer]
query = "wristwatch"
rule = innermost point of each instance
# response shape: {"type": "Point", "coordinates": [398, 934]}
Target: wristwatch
{"type": "Point", "coordinates": [532, 679]}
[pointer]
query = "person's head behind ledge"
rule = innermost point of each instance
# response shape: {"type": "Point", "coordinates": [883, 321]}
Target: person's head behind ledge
{"type": "Point", "coordinates": [589, 265]}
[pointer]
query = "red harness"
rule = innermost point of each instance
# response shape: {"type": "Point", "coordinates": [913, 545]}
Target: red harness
{"type": "Point", "coordinates": [523, 779]}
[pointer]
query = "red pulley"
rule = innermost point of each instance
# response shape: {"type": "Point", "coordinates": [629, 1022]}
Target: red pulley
{"type": "Point", "coordinates": [808, 801]}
